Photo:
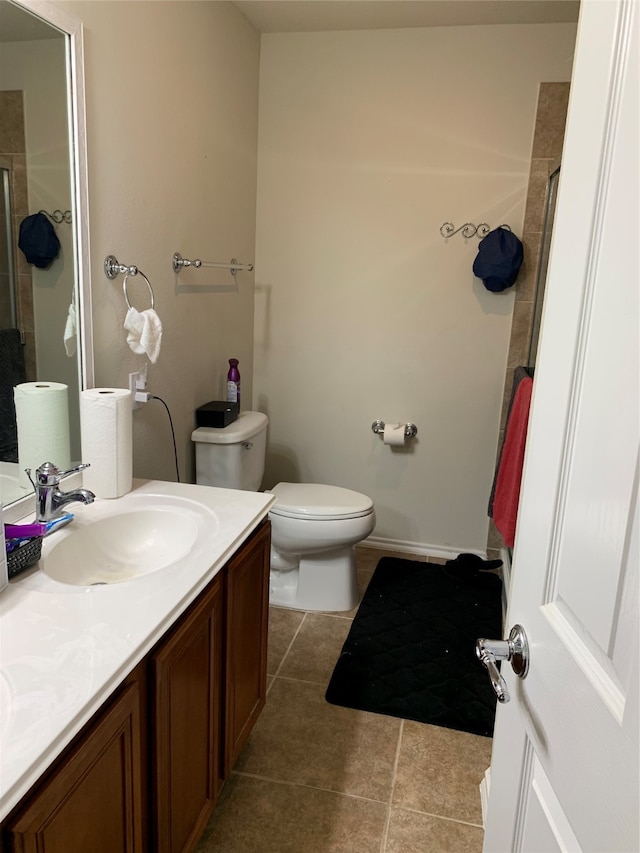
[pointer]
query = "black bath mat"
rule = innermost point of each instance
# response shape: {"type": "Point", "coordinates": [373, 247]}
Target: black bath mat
{"type": "Point", "coordinates": [411, 649]}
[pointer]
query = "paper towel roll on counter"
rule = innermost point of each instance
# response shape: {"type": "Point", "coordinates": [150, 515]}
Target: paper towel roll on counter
{"type": "Point", "coordinates": [393, 434]}
{"type": "Point", "coordinates": [42, 422]}
{"type": "Point", "coordinates": [106, 432]}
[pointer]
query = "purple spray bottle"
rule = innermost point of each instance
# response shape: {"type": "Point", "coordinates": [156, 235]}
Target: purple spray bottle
{"type": "Point", "coordinates": [233, 382]}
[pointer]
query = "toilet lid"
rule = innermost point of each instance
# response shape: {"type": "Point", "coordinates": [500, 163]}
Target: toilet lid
{"type": "Point", "coordinates": [315, 501]}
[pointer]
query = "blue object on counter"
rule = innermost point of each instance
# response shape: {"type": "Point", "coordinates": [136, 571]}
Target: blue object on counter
{"type": "Point", "coordinates": [36, 528]}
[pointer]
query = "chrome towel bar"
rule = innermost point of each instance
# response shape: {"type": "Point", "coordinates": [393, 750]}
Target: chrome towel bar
{"type": "Point", "coordinates": [178, 263]}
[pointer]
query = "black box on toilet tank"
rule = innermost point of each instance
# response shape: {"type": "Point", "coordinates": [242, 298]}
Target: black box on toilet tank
{"type": "Point", "coordinates": [217, 413]}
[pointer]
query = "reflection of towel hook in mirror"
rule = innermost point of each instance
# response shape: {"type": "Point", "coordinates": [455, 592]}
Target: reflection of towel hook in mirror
{"type": "Point", "coordinates": [448, 229]}
{"type": "Point", "coordinates": [59, 216]}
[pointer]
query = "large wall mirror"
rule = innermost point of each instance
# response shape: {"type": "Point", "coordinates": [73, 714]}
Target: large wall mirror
{"type": "Point", "coordinates": [45, 310]}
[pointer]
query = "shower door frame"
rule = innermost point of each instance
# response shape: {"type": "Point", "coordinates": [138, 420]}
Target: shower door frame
{"type": "Point", "coordinates": [6, 168]}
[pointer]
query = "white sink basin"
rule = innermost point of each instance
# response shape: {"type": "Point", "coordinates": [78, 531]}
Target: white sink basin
{"type": "Point", "coordinates": [109, 544]}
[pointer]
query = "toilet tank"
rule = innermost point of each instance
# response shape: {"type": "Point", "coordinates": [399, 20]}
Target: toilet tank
{"type": "Point", "coordinates": [232, 457]}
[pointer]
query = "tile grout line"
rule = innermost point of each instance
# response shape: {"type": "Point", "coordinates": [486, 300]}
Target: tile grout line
{"type": "Point", "coordinates": [394, 773]}
{"type": "Point", "coordinates": [307, 786]}
{"type": "Point", "coordinates": [276, 674]}
{"type": "Point", "coordinates": [302, 681]}
{"type": "Point", "coordinates": [441, 817]}
{"type": "Point", "coordinates": [293, 639]}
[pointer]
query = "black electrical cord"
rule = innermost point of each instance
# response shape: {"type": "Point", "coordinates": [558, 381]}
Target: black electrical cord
{"type": "Point", "coordinates": [173, 433]}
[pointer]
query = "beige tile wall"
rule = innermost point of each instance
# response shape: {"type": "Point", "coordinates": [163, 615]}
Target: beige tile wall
{"type": "Point", "coordinates": [551, 115]}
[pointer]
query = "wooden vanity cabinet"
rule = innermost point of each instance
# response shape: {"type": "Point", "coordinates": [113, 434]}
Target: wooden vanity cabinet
{"type": "Point", "coordinates": [186, 676]}
{"type": "Point", "coordinates": [93, 798]}
{"type": "Point", "coordinates": [247, 615]}
{"type": "Point", "coordinates": [144, 774]}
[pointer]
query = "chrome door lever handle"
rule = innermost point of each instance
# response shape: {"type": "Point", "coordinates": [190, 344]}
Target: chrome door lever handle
{"type": "Point", "coordinates": [515, 649]}
{"type": "Point", "coordinates": [497, 681]}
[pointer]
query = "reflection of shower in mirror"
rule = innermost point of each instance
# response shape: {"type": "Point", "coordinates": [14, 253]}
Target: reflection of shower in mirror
{"type": "Point", "coordinates": [545, 248]}
{"type": "Point", "coordinates": [8, 317]}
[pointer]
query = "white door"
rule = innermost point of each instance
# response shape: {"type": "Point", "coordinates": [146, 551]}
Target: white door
{"type": "Point", "coordinates": [564, 773]}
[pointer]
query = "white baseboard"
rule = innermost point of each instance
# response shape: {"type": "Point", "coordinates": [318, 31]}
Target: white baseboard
{"type": "Point", "coordinates": [484, 793]}
{"type": "Point", "coordinates": [422, 548]}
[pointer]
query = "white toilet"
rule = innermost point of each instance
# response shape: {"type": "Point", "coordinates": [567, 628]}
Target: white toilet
{"type": "Point", "coordinates": [314, 527]}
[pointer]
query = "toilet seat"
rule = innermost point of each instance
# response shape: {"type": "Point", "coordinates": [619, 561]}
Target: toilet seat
{"type": "Point", "coordinates": [317, 502]}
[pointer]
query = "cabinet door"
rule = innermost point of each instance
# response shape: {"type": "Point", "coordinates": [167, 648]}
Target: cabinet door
{"type": "Point", "coordinates": [247, 614]}
{"type": "Point", "coordinates": [93, 800]}
{"type": "Point", "coordinates": [186, 671]}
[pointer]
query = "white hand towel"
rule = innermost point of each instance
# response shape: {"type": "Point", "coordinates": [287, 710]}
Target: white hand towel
{"type": "Point", "coordinates": [145, 332]}
{"type": "Point", "coordinates": [71, 331]}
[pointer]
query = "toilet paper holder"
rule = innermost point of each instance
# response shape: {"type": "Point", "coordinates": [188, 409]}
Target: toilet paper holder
{"type": "Point", "coordinates": [410, 430]}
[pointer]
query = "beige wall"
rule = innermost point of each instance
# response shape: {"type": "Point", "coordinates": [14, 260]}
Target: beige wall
{"type": "Point", "coordinates": [368, 142]}
{"type": "Point", "coordinates": [172, 94]}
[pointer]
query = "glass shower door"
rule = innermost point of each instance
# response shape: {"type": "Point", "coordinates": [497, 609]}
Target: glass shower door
{"type": "Point", "coordinates": [552, 195]}
{"type": "Point", "coordinates": [8, 318]}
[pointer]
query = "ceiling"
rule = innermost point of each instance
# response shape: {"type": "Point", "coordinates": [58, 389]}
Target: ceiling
{"type": "Point", "coordinates": [286, 16]}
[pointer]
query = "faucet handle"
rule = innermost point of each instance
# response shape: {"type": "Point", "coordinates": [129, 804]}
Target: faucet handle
{"type": "Point", "coordinates": [80, 466]}
{"type": "Point", "coordinates": [49, 474]}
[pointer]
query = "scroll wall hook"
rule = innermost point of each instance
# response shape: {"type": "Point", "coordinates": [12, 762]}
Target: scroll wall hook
{"type": "Point", "coordinates": [448, 229]}
{"type": "Point", "coordinates": [59, 216]}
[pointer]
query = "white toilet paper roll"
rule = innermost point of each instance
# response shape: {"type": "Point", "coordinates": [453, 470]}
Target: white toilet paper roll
{"type": "Point", "coordinates": [42, 421]}
{"type": "Point", "coordinates": [393, 434]}
{"type": "Point", "coordinates": [106, 433]}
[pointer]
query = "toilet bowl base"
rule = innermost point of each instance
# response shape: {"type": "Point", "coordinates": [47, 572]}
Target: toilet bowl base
{"type": "Point", "coordinates": [325, 581]}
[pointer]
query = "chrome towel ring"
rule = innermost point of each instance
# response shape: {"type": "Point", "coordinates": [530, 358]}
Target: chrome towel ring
{"type": "Point", "coordinates": [113, 268]}
{"type": "Point", "coordinates": [124, 287]}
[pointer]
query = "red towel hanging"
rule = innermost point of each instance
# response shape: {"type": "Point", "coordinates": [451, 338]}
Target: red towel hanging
{"type": "Point", "coordinates": [507, 494]}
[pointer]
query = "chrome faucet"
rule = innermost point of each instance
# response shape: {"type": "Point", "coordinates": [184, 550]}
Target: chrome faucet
{"type": "Point", "coordinates": [50, 500]}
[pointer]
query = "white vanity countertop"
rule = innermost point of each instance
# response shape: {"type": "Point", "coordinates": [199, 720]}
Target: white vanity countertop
{"type": "Point", "coordinates": [64, 649]}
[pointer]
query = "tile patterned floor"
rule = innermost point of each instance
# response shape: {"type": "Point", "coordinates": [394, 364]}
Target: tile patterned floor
{"type": "Point", "coordinates": [318, 778]}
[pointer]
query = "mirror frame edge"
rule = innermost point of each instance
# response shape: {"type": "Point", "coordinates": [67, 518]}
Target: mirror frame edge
{"type": "Point", "coordinates": [73, 27]}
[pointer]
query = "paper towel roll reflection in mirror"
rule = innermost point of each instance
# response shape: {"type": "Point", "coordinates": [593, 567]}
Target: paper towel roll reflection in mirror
{"type": "Point", "coordinates": [42, 421]}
